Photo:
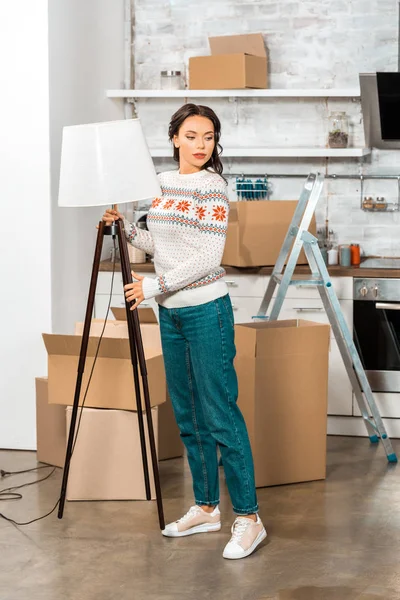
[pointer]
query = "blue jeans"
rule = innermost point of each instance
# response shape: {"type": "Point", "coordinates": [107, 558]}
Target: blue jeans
{"type": "Point", "coordinates": [199, 348]}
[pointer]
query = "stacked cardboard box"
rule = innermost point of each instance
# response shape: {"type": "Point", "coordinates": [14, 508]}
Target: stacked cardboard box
{"type": "Point", "coordinates": [112, 384]}
{"type": "Point", "coordinates": [107, 460]}
{"type": "Point", "coordinates": [169, 441]}
{"type": "Point", "coordinates": [236, 61]}
{"type": "Point", "coordinates": [50, 427]}
{"type": "Point", "coordinates": [106, 466]}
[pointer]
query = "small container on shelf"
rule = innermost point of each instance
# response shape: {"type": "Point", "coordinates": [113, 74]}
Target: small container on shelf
{"type": "Point", "coordinates": [338, 130]}
{"type": "Point", "coordinates": [368, 203]}
{"type": "Point", "coordinates": [171, 80]}
{"type": "Point", "coordinates": [380, 203]}
{"type": "Point", "coordinates": [355, 255]}
{"type": "Point", "coordinates": [333, 256]}
{"type": "Point", "coordinates": [345, 255]}
{"type": "Point", "coordinates": [136, 255]}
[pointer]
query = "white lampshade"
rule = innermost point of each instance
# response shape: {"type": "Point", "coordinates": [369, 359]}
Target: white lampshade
{"type": "Point", "coordinates": [106, 163]}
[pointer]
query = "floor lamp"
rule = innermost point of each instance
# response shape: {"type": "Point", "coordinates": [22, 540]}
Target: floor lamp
{"type": "Point", "coordinates": [104, 164]}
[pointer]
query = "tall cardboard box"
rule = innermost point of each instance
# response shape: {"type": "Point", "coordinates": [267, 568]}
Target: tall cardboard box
{"type": "Point", "coordinates": [50, 427]}
{"type": "Point", "coordinates": [236, 62]}
{"type": "Point", "coordinates": [169, 441]}
{"type": "Point", "coordinates": [282, 369]}
{"type": "Point", "coordinates": [107, 460]}
{"type": "Point", "coordinates": [256, 231]}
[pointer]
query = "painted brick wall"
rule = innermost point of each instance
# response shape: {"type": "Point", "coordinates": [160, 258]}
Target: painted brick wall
{"type": "Point", "coordinates": [311, 44]}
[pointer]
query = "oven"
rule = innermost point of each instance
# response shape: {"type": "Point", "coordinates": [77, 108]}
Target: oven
{"type": "Point", "coordinates": [376, 331]}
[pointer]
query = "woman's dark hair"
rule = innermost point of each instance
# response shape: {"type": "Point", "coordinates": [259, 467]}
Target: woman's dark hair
{"type": "Point", "coordinates": [191, 110]}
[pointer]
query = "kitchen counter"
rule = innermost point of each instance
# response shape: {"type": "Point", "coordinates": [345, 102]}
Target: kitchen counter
{"type": "Point", "coordinates": [337, 271]}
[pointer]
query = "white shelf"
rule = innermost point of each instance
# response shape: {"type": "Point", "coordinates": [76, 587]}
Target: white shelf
{"type": "Point", "coordinates": [248, 93]}
{"type": "Point", "coordinates": [279, 152]}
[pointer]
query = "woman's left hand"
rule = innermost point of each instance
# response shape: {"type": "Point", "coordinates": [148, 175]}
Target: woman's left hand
{"type": "Point", "coordinates": [134, 291]}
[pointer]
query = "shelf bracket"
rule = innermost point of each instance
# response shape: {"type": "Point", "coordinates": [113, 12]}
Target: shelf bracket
{"type": "Point", "coordinates": [235, 100]}
{"type": "Point", "coordinates": [130, 104]}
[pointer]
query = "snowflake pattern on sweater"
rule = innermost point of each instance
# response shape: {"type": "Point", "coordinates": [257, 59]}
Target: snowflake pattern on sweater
{"type": "Point", "coordinates": [187, 232]}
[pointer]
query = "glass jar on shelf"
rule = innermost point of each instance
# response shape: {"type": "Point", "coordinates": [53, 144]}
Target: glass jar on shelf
{"type": "Point", "coordinates": [338, 136]}
{"type": "Point", "coordinates": [171, 80]}
{"type": "Point", "coordinates": [368, 203]}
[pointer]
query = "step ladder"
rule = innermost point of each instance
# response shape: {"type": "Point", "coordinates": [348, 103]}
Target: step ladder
{"type": "Point", "coordinates": [298, 238]}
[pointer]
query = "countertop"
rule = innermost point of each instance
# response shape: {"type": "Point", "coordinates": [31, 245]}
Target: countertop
{"type": "Point", "coordinates": [148, 267]}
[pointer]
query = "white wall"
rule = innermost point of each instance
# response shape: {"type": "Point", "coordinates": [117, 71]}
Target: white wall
{"type": "Point", "coordinates": [86, 57]}
{"type": "Point", "coordinates": [25, 292]}
{"type": "Point", "coordinates": [46, 252]}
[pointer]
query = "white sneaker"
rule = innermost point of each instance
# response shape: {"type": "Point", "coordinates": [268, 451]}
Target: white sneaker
{"type": "Point", "coordinates": [246, 535]}
{"type": "Point", "coordinates": [196, 520]}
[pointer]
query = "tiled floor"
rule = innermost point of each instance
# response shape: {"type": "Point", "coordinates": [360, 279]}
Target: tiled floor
{"type": "Point", "coordinates": [337, 539]}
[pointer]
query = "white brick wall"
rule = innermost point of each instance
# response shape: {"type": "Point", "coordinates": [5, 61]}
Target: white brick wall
{"type": "Point", "coordinates": [313, 43]}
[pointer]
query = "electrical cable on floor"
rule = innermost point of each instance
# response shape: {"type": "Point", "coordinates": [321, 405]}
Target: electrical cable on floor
{"type": "Point", "coordinates": [7, 473]}
{"type": "Point", "coordinates": [9, 493]}
{"type": "Point", "coordinates": [13, 496]}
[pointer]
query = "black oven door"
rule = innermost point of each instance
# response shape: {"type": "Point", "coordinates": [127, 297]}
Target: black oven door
{"type": "Point", "coordinates": [377, 338]}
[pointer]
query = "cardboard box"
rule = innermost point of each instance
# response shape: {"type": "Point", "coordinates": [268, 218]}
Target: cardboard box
{"type": "Point", "coordinates": [112, 384]}
{"type": "Point", "coordinates": [50, 427]}
{"type": "Point", "coordinates": [282, 369]}
{"type": "Point", "coordinates": [170, 444]}
{"type": "Point", "coordinates": [107, 460]}
{"type": "Point", "coordinates": [119, 328]}
{"type": "Point", "coordinates": [146, 315]}
{"type": "Point", "coordinates": [169, 441]}
{"type": "Point", "coordinates": [256, 231]}
{"type": "Point", "coordinates": [236, 62]}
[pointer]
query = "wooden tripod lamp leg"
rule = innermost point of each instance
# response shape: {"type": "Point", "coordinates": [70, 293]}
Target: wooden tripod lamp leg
{"type": "Point", "coordinates": [81, 364]}
{"type": "Point", "coordinates": [135, 337]}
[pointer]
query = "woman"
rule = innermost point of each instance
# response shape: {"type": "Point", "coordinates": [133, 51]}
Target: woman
{"type": "Point", "coordinates": [187, 231]}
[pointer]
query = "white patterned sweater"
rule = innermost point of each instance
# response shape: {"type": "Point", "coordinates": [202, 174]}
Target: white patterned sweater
{"type": "Point", "coordinates": [186, 235]}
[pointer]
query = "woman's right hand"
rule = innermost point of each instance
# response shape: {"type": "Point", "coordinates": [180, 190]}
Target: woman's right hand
{"type": "Point", "coordinates": [111, 215]}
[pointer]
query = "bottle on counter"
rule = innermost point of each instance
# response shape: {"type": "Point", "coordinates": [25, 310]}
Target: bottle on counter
{"type": "Point", "coordinates": [345, 255]}
{"type": "Point", "coordinates": [324, 252]}
{"type": "Point", "coordinates": [355, 254]}
{"type": "Point", "coordinates": [333, 256]}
